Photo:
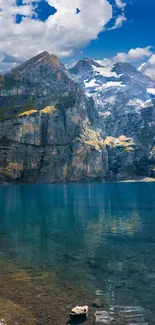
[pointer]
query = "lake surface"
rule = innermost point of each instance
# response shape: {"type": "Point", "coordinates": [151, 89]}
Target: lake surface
{"type": "Point", "coordinates": [97, 241]}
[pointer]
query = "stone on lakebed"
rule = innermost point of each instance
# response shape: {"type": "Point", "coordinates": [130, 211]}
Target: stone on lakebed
{"type": "Point", "coordinates": [79, 313]}
{"type": "Point", "coordinates": [98, 303]}
{"type": "Point", "coordinates": [2, 322]}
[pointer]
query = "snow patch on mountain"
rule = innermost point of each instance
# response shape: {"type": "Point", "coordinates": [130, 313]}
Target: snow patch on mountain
{"type": "Point", "coordinates": [119, 87]}
{"type": "Point", "coordinates": [139, 104]}
{"type": "Point", "coordinates": [101, 86]}
{"type": "Point", "coordinates": [106, 72]}
{"type": "Point", "coordinates": [151, 91]}
{"type": "Point", "coordinates": [113, 84]}
{"type": "Point", "coordinates": [91, 83]}
{"type": "Point", "coordinates": [104, 114]}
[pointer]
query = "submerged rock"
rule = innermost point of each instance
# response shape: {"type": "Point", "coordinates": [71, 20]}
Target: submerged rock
{"type": "Point", "coordinates": [98, 303]}
{"type": "Point", "coordinates": [79, 313]}
{"type": "Point", "coordinates": [2, 322]}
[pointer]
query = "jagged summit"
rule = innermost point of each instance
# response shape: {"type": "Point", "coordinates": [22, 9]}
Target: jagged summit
{"type": "Point", "coordinates": [91, 65]}
{"type": "Point", "coordinates": [90, 62]}
{"type": "Point", "coordinates": [124, 67]}
{"type": "Point", "coordinates": [115, 85]}
{"type": "Point", "coordinates": [42, 78]}
{"type": "Point", "coordinates": [84, 66]}
{"type": "Point", "coordinates": [40, 59]}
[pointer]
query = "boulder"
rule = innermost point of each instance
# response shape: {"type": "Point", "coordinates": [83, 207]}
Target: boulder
{"type": "Point", "coordinates": [2, 322]}
{"type": "Point", "coordinates": [79, 313]}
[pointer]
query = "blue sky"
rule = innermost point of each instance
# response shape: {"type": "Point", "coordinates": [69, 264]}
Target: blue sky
{"type": "Point", "coordinates": [72, 29]}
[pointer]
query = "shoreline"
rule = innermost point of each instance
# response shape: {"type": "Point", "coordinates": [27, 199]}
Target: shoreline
{"type": "Point", "coordinates": [141, 180]}
{"type": "Point", "coordinates": [99, 181]}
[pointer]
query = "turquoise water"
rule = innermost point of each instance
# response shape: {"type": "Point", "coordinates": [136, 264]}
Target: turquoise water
{"type": "Point", "coordinates": [102, 235]}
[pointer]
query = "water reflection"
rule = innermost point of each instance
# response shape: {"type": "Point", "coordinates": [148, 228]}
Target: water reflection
{"type": "Point", "coordinates": [99, 234]}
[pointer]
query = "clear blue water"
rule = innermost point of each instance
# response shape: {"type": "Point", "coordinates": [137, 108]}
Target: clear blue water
{"type": "Point", "coordinates": [102, 235]}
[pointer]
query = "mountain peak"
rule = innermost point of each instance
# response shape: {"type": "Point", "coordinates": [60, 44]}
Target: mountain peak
{"type": "Point", "coordinates": [85, 64]}
{"type": "Point", "coordinates": [42, 54]}
{"type": "Point", "coordinates": [121, 67]}
{"type": "Point", "coordinates": [39, 59]}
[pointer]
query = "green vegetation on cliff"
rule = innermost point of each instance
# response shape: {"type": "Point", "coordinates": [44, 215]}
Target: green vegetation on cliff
{"type": "Point", "coordinates": [15, 111]}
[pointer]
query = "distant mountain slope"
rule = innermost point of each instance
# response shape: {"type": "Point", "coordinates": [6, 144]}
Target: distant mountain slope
{"type": "Point", "coordinates": [113, 84]}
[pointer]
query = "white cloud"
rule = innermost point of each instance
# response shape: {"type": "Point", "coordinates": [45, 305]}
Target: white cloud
{"type": "Point", "coordinates": [148, 67]}
{"type": "Point", "coordinates": [152, 59]}
{"type": "Point", "coordinates": [60, 34]}
{"type": "Point", "coordinates": [150, 72]}
{"type": "Point", "coordinates": [133, 56]}
{"type": "Point", "coordinates": [118, 22]}
{"type": "Point", "coordinates": [120, 4]}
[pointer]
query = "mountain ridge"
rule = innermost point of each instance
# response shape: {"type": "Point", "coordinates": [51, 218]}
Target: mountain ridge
{"type": "Point", "coordinates": [88, 122]}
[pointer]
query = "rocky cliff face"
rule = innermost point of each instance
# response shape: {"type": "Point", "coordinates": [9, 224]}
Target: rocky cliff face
{"type": "Point", "coordinates": [37, 82]}
{"type": "Point", "coordinates": [54, 127]}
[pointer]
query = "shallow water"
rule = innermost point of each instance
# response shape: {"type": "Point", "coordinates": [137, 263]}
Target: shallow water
{"type": "Point", "coordinates": [95, 237]}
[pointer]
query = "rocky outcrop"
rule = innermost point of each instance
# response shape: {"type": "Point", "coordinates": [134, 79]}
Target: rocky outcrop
{"type": "Point", "coordinates": [51, 131]}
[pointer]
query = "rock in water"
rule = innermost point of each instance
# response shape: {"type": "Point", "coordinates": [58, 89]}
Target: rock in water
{"type": "Point", "coordinates": [98, 303]}
{"type": "Point", "coordinates": [2, 322]}
{"type": "Point", "coordinates": [79, 313]}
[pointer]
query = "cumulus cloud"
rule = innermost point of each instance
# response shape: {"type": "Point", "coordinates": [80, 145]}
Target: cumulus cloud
{"type": "Point", "coordinates": [133, 56]}
{"type": "Point", "coordinates": [148, 67]}
{"type": "Point", "coordinates": [60, 34]}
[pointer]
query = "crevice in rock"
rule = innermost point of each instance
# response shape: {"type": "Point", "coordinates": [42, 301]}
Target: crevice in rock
{"type": "Point", "coordinates": [44, 140]}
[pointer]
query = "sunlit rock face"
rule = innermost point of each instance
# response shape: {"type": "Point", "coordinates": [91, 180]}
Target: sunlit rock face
{"type": "Point", "coordinates": [92, 122]}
